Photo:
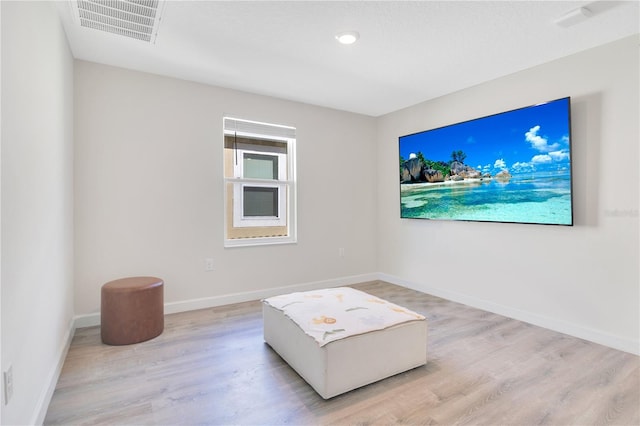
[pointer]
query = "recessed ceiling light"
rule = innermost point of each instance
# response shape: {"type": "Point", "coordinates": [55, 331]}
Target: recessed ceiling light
{"type": "Point", "coordinates": [347, 37]}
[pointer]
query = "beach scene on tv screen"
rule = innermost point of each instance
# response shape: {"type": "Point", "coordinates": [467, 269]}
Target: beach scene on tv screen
{"type": "Point", "coordinates": [509, 167]}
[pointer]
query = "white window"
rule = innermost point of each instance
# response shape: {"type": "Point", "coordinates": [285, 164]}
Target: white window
{"type": "Point", "coordinates": [260, 199]}
{"type": "Point", "coordinates": [259, 183]}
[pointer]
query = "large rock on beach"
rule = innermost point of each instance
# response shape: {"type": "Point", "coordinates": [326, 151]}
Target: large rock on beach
{"type": "Point", "coordinates": [457, 168]}
{"type": "Point", "coordinates": [471, 173]}
{"type": "Point", "coordinates": [405, 176]}
{"type": "Point", "coordinates": [464, 171]}
{"type": "Point", "coordinates": [503, 175]}
{"type": "Point", "coordinates": [413, 168]}
{"type": "Point", "coordinates": [431, 175]}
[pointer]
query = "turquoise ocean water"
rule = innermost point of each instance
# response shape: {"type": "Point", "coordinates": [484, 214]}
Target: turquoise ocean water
{"type": "Point", "coordinates": [526, 198]}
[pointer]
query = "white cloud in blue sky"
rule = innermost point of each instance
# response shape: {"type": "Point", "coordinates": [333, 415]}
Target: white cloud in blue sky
{"type": "Point", "coordinates": [499, 164]}
{"type": "Point", "coordinates": [562, 155]}
{"type": "Point", "coordinates": [541, 159]}
{"type": "Point", "coordinates": [538, 142]}
{"type": "Point", "coordinates": [522, 166]}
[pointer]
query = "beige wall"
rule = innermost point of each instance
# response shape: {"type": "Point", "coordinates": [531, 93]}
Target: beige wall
{"type": "Point", "coordinates": [149, 189]}
{"type": "Point", "coordinates": [37, 204]}
{"type": "Point", "coordinates": [582, 280]}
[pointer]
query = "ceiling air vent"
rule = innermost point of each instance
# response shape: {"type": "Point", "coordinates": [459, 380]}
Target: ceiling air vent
{"type": "Point", "coordinates": [136, 19]}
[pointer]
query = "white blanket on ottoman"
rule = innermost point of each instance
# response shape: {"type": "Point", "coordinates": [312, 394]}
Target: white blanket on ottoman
{"type": "Point", "coordinates": [335, 313]}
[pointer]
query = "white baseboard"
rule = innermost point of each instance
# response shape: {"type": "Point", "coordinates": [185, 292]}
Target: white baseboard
{"type": "Point", "coordinates": [612, 341]}
{"type": "Point", "coordinates": [91, 320]}
{"type": "Point", "coordinates": [606, 339]}
{"type": "Point", "coordinates": [209, 302]}
{"type": "Point", "coordinates": [52, 380]}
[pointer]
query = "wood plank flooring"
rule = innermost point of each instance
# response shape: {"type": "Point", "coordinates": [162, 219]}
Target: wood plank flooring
{"type": "Point", "coordinates": [212, 367]}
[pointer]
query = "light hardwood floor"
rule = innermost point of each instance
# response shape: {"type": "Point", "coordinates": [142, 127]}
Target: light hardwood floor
{"type": "Point", "coordinates": [212, 367]}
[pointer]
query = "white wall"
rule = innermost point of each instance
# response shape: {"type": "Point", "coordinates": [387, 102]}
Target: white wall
{"type": "Point", "coordinates": [582, 280]}
{"type": "Point", "coordinates": [149, 199]}
{"type": "Point", "coordinates": [37, 204]}
{"type": "Point", "coordinates": [148, 191]}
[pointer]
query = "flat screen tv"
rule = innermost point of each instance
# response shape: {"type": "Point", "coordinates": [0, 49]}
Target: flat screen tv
{"type": "Point", "coordinates": [513, 167]}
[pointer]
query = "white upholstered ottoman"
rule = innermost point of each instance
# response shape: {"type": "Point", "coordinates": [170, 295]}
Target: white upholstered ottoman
{"type": "Point", "coordinates": [340, 339]}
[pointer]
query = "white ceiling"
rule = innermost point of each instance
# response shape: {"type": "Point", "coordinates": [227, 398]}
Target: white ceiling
{"type": "Point", "coordinates": [408, 52]}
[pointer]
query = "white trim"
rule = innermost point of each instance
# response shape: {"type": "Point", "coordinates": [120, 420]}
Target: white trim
{"type": "Point", "coordinates": [280, 153]}
{"type": "Point", "coordinates": [44, 399]}
{"type": "Point", "coordinates": [613, 341]}
{"type": "Point", "coordinates": [278, 182]}
{"type": "Point", "coordinates": [209, 302]}
{"type": "Point", "coordinates": [616, 342]}
{"type": "Point", "coordinates": [257, 129]}
{"type": "Point", "coordinates": [86, 320]}
{"type": "Point", "coordinates": [91, 320]}
{"type": "Point", "coordinates": [260, 241]}
{"type": "Point", "coordinates": [242, 221]}
{"type": "Point", "coordinates": [287, 201]}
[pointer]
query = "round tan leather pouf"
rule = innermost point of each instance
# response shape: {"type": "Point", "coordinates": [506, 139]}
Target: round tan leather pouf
{"type": "Point", "coordinates": [132, 310]}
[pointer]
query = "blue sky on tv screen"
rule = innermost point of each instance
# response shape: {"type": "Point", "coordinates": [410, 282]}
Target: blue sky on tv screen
{"type": "Point", "coordinates": [529, 139]}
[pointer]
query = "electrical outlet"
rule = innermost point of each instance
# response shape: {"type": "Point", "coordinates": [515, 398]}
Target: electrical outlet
{"type": "Point", "coordinates": [8, 384]}
{"type": "Point", "coordinates": [208, 264]}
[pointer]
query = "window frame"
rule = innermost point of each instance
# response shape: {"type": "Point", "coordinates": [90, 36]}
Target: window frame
{"type": "Point", "coordinates": [270, 139]}
{"type": "Point", "coordinates": [239, 219]}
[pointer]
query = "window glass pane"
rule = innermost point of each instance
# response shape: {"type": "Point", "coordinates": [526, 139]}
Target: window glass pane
{"type": "Point", "coordinates": [260, 166]}
{"type": "Point", "coordinates": [260, 201]}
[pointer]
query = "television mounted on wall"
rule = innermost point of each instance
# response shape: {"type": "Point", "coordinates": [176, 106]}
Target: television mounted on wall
{"type": "Point", "coordinates": [512, 167]}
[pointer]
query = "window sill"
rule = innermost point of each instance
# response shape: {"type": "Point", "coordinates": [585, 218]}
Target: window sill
{"type": "Point", "coordinates": [251, 242]}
